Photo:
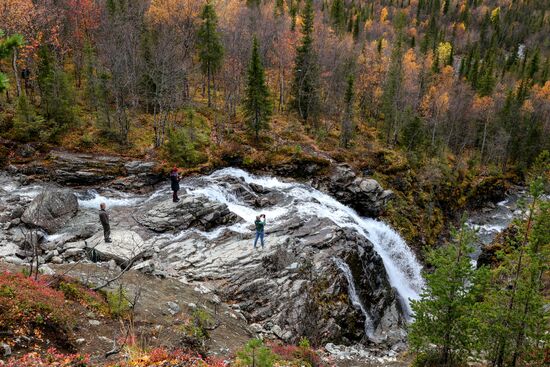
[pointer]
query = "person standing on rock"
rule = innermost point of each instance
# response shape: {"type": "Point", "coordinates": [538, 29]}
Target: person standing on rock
{"type": "Point", "coordinates": [260, 224]}
{"type": "Point", "coordinates": [175, 184]}
{"type": "Point", "coordinates": [104, 219]}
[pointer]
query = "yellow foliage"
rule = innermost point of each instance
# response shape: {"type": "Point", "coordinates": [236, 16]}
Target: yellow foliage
{"type": "Point", "coordinates": [495, 14]}
{"type": "Point", "coordinates": [444, 51]}
{"type": "Point", "coordinates": [383, 14]}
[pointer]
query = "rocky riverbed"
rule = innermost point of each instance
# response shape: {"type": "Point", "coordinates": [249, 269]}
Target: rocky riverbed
{"type": "Point", "coordinates": [326, 272]}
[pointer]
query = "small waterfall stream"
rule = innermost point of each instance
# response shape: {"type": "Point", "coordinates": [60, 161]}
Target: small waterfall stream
{"type": "Point", "coordinates": [354, 297]}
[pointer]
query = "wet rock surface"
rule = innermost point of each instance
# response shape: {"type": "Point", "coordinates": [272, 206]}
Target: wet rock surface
{"type": "Point", "coordinates": [51, 210]}
{"type": "Point", "coordinates": [290, 288]}
{"type": "Point", "coordinates": [363, 194]}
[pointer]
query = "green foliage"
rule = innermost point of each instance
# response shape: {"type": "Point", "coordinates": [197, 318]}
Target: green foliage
{"type": "Point", "coordinates": [209, 45]}
{"type": "Point", "coordinates": [198, 325]}
{"type": "Point", "coordinates": [305, 87]}
{"type": "Point", "coordinates": [338, 15]}
{"type": "Point", "coordinates": [347, 121]}
{"type": "Point", "coordinates": [57, 95]}
{"type": "Point", "coordinates": [184, 144]}
{"type": "Point", "coordinates": [255, 353]}
{"type": "Point", "coordinates": [7, 46]}
{"type": "Point", "coordinates": [27, 124]}
{"type": "Point", "coordinates": [118, 302]}
{"type": "Point", "coordinates": [515, 323]}
{"type": "Point", "coordinates": [257, 104]}
{"type": "Point", "coordinates": [444, 316]}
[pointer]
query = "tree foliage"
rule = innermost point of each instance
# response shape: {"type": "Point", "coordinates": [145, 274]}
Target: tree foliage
{"type": "Point", "coordinates": [257, 104]}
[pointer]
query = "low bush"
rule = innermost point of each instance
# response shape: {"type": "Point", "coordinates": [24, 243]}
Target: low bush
{"type": "Point", "coordinates": [75, 291]}
{"type": "Point", "coordinates": [118, 302]}
{"type": "Point", "coordinates": [31, 308]}
{"type": "Point", "coordinates": [51, 358]}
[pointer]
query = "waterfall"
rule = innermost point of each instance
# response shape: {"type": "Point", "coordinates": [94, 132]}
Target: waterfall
{"type": "Point", "coordinates": [354, 297]}
{"type": "Point", "coordinates": [300, 201]}
{"type": "Point", "coordinates": [402, 267]}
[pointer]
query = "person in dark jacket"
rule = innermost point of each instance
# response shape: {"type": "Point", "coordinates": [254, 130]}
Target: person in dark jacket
{"type": "Point", "coordinates": [260, 224]}
{"type": "Point", "coordinates": [104, 219]}
{"type": "Point", "coordinates": [175, 183]}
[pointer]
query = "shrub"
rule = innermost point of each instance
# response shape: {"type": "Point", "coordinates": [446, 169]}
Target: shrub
{"type": "Point", "coordinates": [50, 358]}
{"type": "Point", "coordinates": [30, 307]}
{"type": "Point", "coordinates": [255, 353]}
{"type": "Point", "coordinates": [118, 302]}
{"type": "Point", "coordinates": [78, 292]}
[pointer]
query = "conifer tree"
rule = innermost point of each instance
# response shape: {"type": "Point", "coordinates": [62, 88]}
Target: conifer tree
{"type": "Point", "coordinates": [56, 94]}
{"type": "Point", "coordinates": [513, 309]}
{"type": "Point", "coordinates": [257, 104]}
{"type": "Point", "coordinates": [338, 15]}
{"type": "Point", "coordinates": [393, 85]}
{"type": "Point", "coordinates": [305, 87]}
{"type": "Point", "coordinates": [444, 316]}
{"type": "Point", "coordinates": [210, 46]}
{"type": "Point", "coordinates": [347, 121]}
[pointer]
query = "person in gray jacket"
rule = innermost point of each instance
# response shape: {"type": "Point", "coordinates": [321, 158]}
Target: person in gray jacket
{"type": "Point", "coordinates": [104, 219]}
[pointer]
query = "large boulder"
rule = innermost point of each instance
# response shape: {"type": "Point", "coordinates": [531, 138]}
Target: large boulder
{"type": "Point", "coordinates": [363, 194]}
{"type": "Point", "coordinates": [198, 212]}
{"type": "Point", "coordinates": [50, 210]}
{"type": "Point", "coordinates": [126, 245]}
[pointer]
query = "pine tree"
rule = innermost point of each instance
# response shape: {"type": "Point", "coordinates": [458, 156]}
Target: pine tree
{"type": "Point", "coordinates": [56, 94]}
{"type": "Point", "coordinates": [347, 121]}
{"type": "Point", "coordinates": [338, 15]}
{"type": "Point", "coordinates": [513, 309]}
{"type": "Point", "coordinates": [444, 316]}
{"type": "Point", "coordinates": [305, 87]}
{"type": "Point", "coordinates": [210, 46]}
{"type": "Point", "coordinates": [257, 104]}
{"type": "Point", "coordinates": [393, 85]}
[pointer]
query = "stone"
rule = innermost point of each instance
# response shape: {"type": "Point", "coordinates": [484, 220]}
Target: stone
{"type": "Point", "coordinates": [256, 328]}
{"type": "Point", "coordinates": [277, 331]}
{"type": "Point", "coordinates": [126, 245]}
{"type": "Point", "coordinates": [173, 308]}
{"type": "Point", "coordinates": [94, 322]}
{"type": "Point", "coordinates": [80, 341]}
{"type": "Point", "coordinates": [51, 209]}
{"type": "Point", "coordinates": [56, 260]}
{"type": "Point", "coordinates": [146, 267]}
{"type": "Point", "coordinates": [190, 211]}
{"type": "Point", "coordinates": [363, 194]}
{"type": "Point", "coordinates": [6, 349]}
{"type": "Point", "coordinates": [46, 270]}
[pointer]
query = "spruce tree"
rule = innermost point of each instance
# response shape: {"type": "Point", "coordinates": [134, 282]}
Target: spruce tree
{"type": "Point", "coordinates": [347, 121]}
{"type": "Point", "coordinates": [337, 14]}
{"type": "Point", "coordinates": [444, 316]}
{"type": "Point", "coordinates": [257, 104]}
{"type": "Point", "coordinates": [305, 86]}
{"type": "Point", "coordinates": [210, 46]}
{"type": "Point", "coordinates": [56, 94]}
{"type": "Point", "coordinates": [513, 310]}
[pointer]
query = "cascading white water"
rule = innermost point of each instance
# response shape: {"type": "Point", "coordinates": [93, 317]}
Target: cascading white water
{"type": "Point", "coordinates": [402, 267]}
{"type": "Point", "coordinates": [369, 327]}
{"type": "Point", "coordinates": [303, 201]}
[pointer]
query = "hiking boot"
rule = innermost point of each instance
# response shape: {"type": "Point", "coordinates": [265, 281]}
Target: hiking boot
{"type": "Point", "coordinates": [108, 240]}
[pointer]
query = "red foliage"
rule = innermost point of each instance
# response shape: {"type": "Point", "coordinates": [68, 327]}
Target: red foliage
{"type": "Point", "coordinates": [28, 306]}
{"type": "Point", "coordinates": [292, 352]}
{"type": "Point", "coordinates": [51, 358]}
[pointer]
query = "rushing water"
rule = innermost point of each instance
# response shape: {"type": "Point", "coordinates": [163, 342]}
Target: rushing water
{"type": "Point", "coordinates": [402, 267]}
{"type": "Point", "coordinates": [299, 200]}
{"type": "Point", "coordinates": [369, 327]}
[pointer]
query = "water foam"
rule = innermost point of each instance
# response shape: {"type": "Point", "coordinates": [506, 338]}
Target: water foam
{"type": "Point", "coordinates": [402, 267]}
{"type": "Point", "coordinates": [369, 327]}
